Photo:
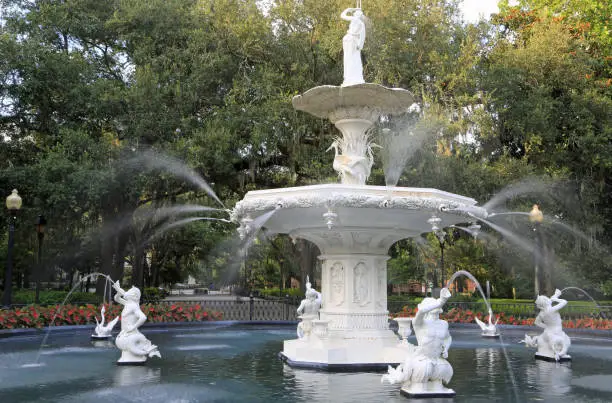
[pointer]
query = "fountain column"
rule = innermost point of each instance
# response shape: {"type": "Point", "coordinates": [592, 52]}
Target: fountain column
{"type": "Point", "coordinates": [354, 294]}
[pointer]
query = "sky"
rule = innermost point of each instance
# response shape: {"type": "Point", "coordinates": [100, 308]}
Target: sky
{"type": "Point", "coordinates": [472, 9]}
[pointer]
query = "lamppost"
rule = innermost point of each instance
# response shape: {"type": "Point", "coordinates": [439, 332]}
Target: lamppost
{"type": "Point", "coordinates": [40, 232]}
{"type": "Point", "coordinates": [435, 221]}
{"type": "Point", "coordinates": [536, 217]}
{"type": "Point", "coordinates": [13, 204]}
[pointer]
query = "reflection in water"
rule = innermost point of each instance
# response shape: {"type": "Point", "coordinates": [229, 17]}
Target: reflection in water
{"type": "Point", "coordinates": [488, 362]}
{"type": "Point", "coordinates": [314, 386]}
{"type": "Point", "coordinates": [103, 343]}
{"type": "Point", "coordinates": [551, 378]}
{"type": "Point", "coordinates": [135, 375]}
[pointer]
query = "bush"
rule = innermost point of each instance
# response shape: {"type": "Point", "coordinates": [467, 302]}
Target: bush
{"type": "Point", "coordinates": [275, 292]}
{"type": "Point", "coordinates": [152, 295]}
{"type": "Point", "coordinates": [39, 316]}
{"type": "Point", "coordinates": [24, 297]}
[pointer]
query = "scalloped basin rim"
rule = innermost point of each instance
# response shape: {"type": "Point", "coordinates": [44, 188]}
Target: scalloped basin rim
{"type": "Point", "coordinates": [325, 99]}
{"type": "Point", "coordinates": [335, 189]}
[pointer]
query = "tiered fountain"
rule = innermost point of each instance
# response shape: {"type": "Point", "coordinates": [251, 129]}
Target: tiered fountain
{"type": "Point", "coordinates": [352, 223]}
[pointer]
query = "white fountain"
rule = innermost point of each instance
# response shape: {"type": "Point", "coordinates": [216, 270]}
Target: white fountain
{"type": "Point", "coordinates": [353, 224]}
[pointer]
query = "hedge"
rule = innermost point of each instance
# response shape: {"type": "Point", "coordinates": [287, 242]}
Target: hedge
{"type": "Point", "coordinates": [41, 316]}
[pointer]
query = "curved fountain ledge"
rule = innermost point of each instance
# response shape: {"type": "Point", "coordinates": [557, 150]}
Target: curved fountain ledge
{"type": "Point", "coordinates": [361, 100]}
{"type": "Point", "coordinates": [400, 209]}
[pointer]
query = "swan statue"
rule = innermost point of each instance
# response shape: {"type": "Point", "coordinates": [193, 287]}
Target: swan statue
{"type": "Point", "coordinates": [101, 330]}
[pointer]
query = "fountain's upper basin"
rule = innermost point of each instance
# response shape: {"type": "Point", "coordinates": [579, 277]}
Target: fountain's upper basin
{"type": "Point", "coordinates": [387, 213]}
{"type": "Point", "coordinates": [355, 101]}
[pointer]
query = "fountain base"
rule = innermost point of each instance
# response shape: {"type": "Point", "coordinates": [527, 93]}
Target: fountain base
{"type": "Point", "coordinates": [131, 363]}
{"type": "Point", "coordinates": [96, 337]}
{"type": "Point", "coordinates": [425, 392]}
{"type": "Point", "coordinates": [542, 357]}
{"type": "Point", "coordinates": [491, 335]}
{"type": "Point", "coordinates": [345, 354]}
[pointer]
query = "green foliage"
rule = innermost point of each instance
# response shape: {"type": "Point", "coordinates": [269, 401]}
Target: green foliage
{"type": "Point", "coordinates": [94, 93]}
{"type": "Point", "coordinates": [276, 292]}
{"type": "Point", "coordinates": [20, 297]}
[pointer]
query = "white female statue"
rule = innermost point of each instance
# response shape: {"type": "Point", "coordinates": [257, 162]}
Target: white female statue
{"type": "Point", "coordinates": [553, 343]}
{"type": "Point", "coordinates": [134, 346]}
{"type": "Point", "coordinates": [308, 310]}
{"type": "Point", "coordinates": [352, 43]}
{"type": "Point", "coordinates": [424, 371]}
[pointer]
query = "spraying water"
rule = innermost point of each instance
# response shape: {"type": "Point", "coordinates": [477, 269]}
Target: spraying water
{"type": "Point", "coordinates": [502, 343]}
{"type": "Point", "coordinates": [586, 294]}
{"type": "Point", "coordinates": [181, 223]}
{"type": "Point", "coordinates": [154, 160]}
{"type": "Point", "coordinates": [78, 284]}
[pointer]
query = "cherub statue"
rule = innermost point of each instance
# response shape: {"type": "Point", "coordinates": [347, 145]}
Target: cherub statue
{"type": "Point", "coordinates": [553, 343]}
{"type": "Point", "coordinates": [352, 43]}
{"type": "Point", "coordinates": [424, 371]}
{"type": "Point", "coordinates": [134, 346]}
{"type": "Point", "coordinates": [308, 310]}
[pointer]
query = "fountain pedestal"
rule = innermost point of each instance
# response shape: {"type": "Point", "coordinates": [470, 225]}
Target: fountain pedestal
{"type": "Point", "coordinates": [354, 291]}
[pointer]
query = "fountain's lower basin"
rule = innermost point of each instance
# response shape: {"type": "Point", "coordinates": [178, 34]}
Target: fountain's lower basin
{"type": "Point", "coordinates": [222, 363]}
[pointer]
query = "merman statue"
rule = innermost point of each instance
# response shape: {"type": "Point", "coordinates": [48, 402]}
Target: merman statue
{"type": "Point", "coordinates": [308, 310]}
{"type": "Point", "coordinates": [553, 343]}
{"type": "Point", "coordinates": [425, 369]}
{"type": "Point", "coordinates": [134, 346]}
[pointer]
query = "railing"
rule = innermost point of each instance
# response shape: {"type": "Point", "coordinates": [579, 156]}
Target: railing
{"type": "Point", "coordinates": [249, 308]}
{"type": "Point", "coordinates": [517, 309]}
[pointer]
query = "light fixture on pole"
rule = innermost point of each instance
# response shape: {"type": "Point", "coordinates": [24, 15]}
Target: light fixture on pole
{"type": "Point", "coordinates": [536, 217]}
{"type": "Point", "coordinates": [13, 204]}
{"type": "Point", "coordinates": [40, 233]}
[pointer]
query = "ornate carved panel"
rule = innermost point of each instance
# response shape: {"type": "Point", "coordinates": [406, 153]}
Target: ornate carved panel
{"type": "Point", "coordinates": [337, 284]}
{"type": "Point", "coordinates": [361, 285]}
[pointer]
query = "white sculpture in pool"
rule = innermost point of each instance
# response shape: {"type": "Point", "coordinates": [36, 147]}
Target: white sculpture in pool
{"type": "Point", "coordinates": [424, 370]}
{"type": "Point", "coordinates": [134, 346]}
{"type": "Point", "coordinates": [352, 224]}
{"type": "Point", "coordinates": [488, 329]}
{"type": "Point", "coordinates": [308, 311]}
{"type": "Point", "coordinates": [352, 43]}
{"type": "Point", "coordinates": [101, 330]}
{"type": "Point", "coordinates": [553, 343]}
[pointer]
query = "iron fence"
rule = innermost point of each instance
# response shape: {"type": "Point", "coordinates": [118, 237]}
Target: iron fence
{"type": "Point", "coordinates": [249, 308]}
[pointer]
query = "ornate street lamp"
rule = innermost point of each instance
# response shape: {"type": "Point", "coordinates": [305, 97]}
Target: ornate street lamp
{"type": "Point", "coordinates": [40, 232]}
{"type": "Point", "coordinates": [536, 217]}
{"type": "Point", "coordinates": [13, 204]}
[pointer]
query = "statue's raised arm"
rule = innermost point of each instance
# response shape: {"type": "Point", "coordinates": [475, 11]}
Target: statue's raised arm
{"type": "Point", "coordinates": [424, 309]}
{"type": "Point", "coordinates": [560, 303]}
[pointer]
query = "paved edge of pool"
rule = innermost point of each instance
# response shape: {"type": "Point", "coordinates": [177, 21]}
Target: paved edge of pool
{"type": "Point", "coordinates": [4, 333]}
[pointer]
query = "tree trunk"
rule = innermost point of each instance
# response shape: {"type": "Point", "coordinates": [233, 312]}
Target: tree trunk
{"type": "Point", "coordinates": [307, 258]}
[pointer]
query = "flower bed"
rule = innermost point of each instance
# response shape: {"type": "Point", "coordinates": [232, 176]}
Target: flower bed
{"type": "Point", "coordinates": [35, 316]}
{"type": "Point", "coordinates": [457, 315]}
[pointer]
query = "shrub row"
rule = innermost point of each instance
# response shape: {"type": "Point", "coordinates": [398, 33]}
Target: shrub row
{"type": "Point", "coordinates": [456, 315]}
{"type": "Point", "coordinates": [42, 316]}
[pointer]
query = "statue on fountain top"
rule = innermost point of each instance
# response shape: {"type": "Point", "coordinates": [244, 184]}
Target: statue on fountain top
{"type": "Point", "coordinates": [553, 343]}
{"type": "Point", "coordinates": [424, 370]}
{"type": "Point", "coordinates": [352, 43]}
{"type": "Point", "coordinates": [134, 346]}
{"type": "Point", "coordinates": [308, 310]}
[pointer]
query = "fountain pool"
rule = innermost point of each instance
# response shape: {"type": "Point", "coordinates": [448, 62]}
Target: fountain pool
{"type": "Point", "coordinates": [223, 362]}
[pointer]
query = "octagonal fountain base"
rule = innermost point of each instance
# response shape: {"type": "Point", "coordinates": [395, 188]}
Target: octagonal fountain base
{"type": "Point", "coordinates": [344, 353]}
